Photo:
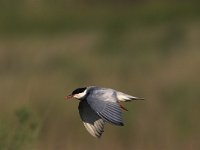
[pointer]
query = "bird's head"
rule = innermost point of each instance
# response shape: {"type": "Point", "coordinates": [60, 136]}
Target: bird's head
{"type": "Point", "coordinates": [78, 93]}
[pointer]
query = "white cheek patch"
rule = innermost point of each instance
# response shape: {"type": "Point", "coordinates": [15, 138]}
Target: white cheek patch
{"type": "Point", "coordinates": [80, 95]}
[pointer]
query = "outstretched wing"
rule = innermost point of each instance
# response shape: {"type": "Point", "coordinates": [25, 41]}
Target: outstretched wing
{"type": "Point", "coordinates": [92, 122]}
{"type": "Point", "coordinates": [104, 102]}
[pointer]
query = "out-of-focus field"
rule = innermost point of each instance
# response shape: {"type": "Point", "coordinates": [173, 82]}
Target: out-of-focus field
{"type": "Point", "coordinates": [147, 49]}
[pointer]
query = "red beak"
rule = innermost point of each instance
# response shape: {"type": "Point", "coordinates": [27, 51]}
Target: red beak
{"type": "Point", "coordinates": [68, 97]}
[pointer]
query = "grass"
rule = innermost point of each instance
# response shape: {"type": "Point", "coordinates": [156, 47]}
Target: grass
{"type": "Point", "coordinates": [151, 51]}
{"type": "Point", "coordinates": [19, 130]}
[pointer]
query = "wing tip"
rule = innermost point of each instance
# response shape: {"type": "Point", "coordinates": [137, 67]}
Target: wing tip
{"type": "Point", "coordinates": [121, 124]}
{"type": "Point", "coordinates": [98, 137]}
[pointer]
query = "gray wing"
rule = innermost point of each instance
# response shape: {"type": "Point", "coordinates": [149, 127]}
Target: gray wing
{"type": "Point", "coordinates": [92, 122]}
{"type": "Point", "coordinates": [104, 102]}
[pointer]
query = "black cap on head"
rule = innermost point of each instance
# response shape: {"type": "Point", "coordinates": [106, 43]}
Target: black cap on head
{"type": "Point", "coordinates": [78, 90]}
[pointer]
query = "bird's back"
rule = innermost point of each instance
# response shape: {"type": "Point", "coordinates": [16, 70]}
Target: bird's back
{"type": "Point", "coordinates": [104, 94]}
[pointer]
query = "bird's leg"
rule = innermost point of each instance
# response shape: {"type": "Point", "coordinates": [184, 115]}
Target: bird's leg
{"type": "Point", "coordinates": [122, 107]}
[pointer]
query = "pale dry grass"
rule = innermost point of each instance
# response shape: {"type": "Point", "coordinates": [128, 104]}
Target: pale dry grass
{"type": "Point", "coordinates": [38, 71]}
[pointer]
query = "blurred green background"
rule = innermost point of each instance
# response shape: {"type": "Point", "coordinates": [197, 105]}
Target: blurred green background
{"type": "Point", "coordinates": [146, 48]}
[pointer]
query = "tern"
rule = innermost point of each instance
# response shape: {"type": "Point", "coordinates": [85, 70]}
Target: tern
{"type": "Point", "coordinates": [99, 106]}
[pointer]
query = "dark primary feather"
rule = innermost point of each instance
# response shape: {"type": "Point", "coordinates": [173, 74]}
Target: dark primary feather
{"type": "Point", "coordinates": [112, 114]}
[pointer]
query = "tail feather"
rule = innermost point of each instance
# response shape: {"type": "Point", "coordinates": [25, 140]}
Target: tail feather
{"type": "Point", "coordinates": [125, 97]}
{"type": "Point", "coordinates": [137, 98]}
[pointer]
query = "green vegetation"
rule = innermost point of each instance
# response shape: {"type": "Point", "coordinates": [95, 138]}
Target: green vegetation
{"type": "Point", "coordinates": [148, 49]}
{"type": "Point", "coordinates": [17, 133]}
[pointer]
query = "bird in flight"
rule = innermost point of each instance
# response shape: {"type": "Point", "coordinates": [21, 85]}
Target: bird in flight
{"type": "Point", "coordinates": [99, 106]}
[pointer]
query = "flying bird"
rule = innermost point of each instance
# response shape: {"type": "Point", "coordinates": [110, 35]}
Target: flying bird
{"type": "Point", "coordinates": [99, 106]}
